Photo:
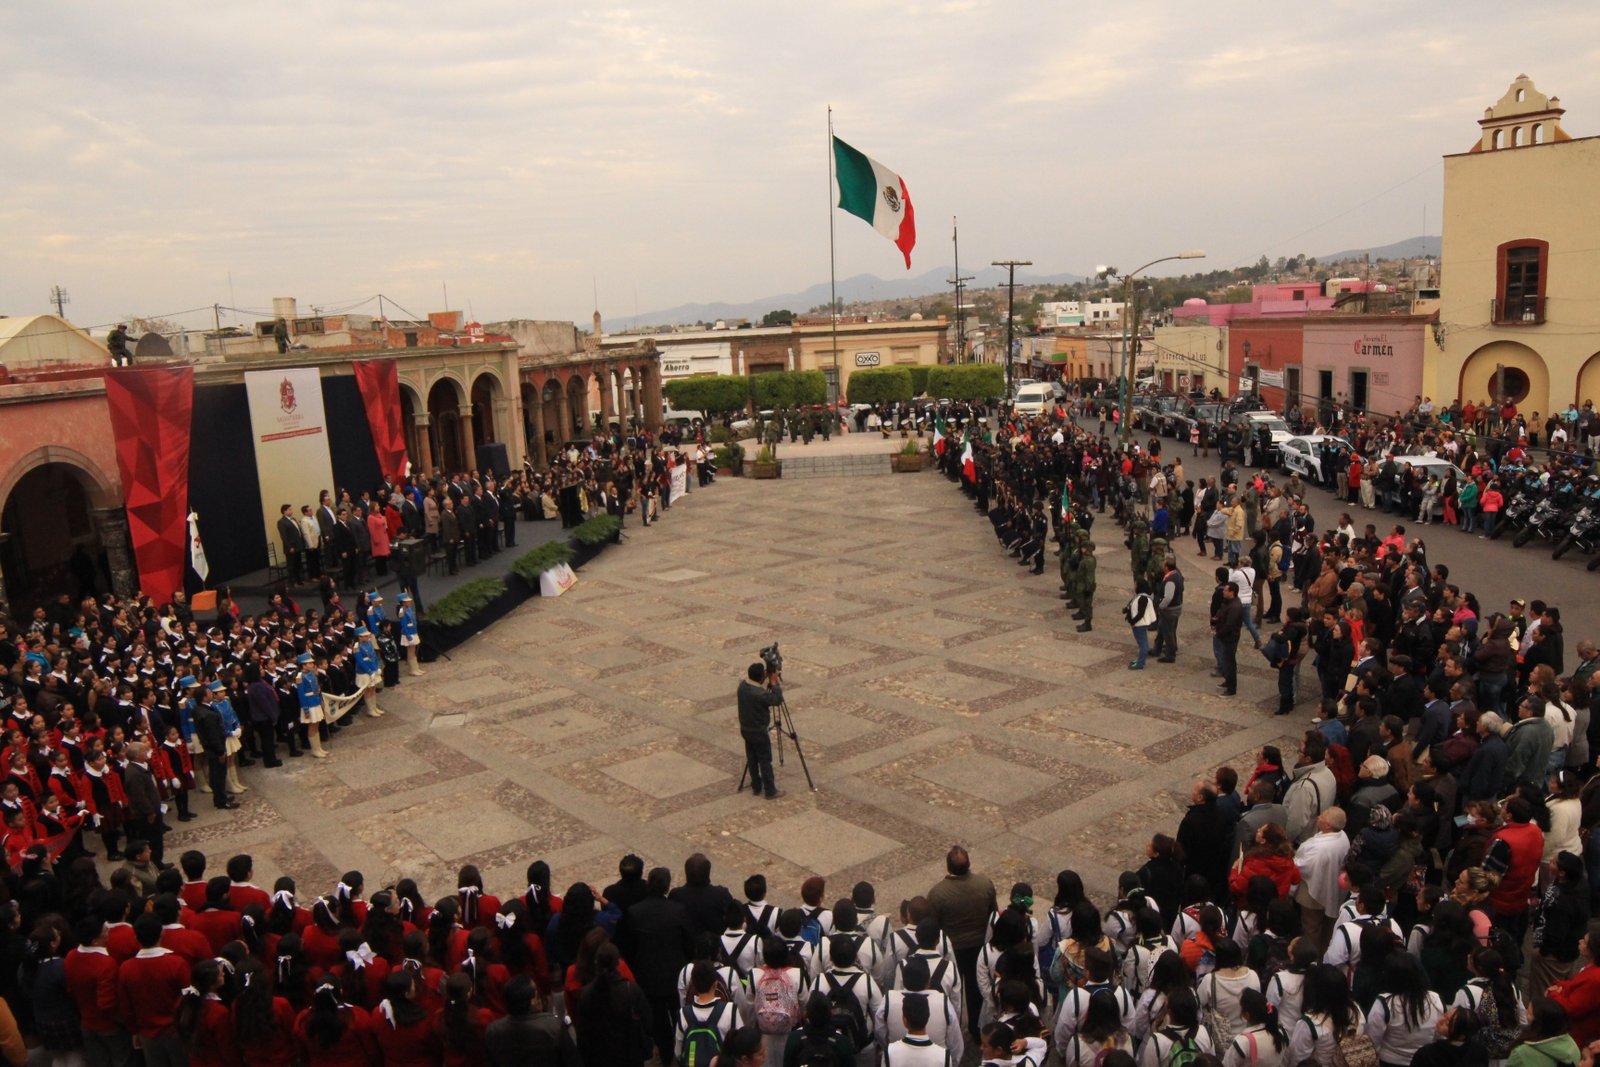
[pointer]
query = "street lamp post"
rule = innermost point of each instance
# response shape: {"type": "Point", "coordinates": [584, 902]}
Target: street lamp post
{"type": "Point", "coordinates": [1011, 266]}
{"type": "Point", "coordinates": [1130, 313]}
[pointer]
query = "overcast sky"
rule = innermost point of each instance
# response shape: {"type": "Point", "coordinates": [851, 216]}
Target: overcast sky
{"type": "Point", "coordinates": [525, 154]}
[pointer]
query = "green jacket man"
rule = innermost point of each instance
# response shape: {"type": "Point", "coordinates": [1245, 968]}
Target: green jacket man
{"type": "Point", "coordinates": [1086, 586]}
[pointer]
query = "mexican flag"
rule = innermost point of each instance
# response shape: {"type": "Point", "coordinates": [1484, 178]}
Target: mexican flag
{"type": "Point", "coordinates": [871, 191]}
{"type": "Point", "coordinates": [969, 469]}
{"type": "Point", "coordinates": [938, 437]}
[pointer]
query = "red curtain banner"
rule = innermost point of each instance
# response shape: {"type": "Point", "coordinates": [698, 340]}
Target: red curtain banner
{"type": "Point", "coordinates": [150, 415]}
{"type": "Point", "coordinates": [379, 381]}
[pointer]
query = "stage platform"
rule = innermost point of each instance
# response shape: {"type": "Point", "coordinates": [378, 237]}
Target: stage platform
{"type": "Point", "coordinates": [251, 591]}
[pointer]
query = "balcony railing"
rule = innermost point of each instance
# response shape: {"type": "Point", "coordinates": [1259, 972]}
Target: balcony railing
{"type": "Point", "coordinates": [1518, 311]}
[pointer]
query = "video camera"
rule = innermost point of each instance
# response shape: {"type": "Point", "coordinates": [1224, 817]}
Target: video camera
{"type": "Point", "coordinates": [773, 659]}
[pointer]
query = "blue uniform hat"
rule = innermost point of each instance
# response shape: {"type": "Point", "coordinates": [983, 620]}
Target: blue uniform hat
{"type": "Point", "coordinates": [215, 687]}
{"type": "Point", "coordinates": [362, 631]}
{"type": "Point", "coordinates": [404, 596]}
{"type": "Point", "coordinates": [304, 659]}
{"type": "Point", "coordinates": [187, 682]}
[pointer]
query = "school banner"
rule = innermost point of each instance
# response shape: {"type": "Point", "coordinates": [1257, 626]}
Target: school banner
{"type": "Point", "coordinates": [379, 382]}
{"type": "Point", "coordinates": [289, 427]}
{"type": "Point", "coordinates": [150, 412]}
{"type": "Point", "coordinates": [557, 580]}
{"type": "Point", "coordinates": [679, 478]}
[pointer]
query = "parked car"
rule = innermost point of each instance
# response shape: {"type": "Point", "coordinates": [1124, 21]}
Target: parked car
{"type": "Point", "coordinates": [1034, 399]}
{"type": "Point", "coordinates": [1303, 454]}
{"type": "Point", "coordinates": [1207, 413]}
{"type": "Point", "coordinates": [1251, 423]}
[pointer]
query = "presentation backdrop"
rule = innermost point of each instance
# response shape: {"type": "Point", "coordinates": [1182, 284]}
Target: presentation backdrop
{"type": "Point", "coordinates": [290, 430]}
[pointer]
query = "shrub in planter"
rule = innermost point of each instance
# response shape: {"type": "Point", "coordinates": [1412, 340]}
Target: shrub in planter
{"type": "Point", "coordinates": [459, 605]}
{"type": "Point", "coordinates": [719, 435]}
{"type": "Point", "coordinates": [598, 530]}
{"type": "Point", "coordinates": [535, 562]}
{"type": "Point", "coordinates": [912, 449]}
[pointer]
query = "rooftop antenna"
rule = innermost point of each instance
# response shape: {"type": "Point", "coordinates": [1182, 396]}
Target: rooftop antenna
{"type": "Point", "coordinates": [59, 297]}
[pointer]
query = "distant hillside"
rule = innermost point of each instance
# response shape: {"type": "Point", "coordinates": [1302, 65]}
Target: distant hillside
{"type": "Point", "coordinates": [858, 287]}
{"type": "Point", "coordinates": [1410, 248]}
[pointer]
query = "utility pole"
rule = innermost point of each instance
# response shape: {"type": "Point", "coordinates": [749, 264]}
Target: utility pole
{"type": "Point", "coordinates": [1011, 266]}
{"type": "Point", "coordinates": [59, 297]}
{"type": "Point", "coordinates": [959, 281]}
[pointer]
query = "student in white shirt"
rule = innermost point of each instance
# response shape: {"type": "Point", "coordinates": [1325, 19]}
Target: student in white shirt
{"type": "Point", "coordinates": [1329, 1012]}
{"type": "Point", "coordinates": [1261, 1042]}
{"type": "Point", "coordinates": [740, 942]}
{"type": "Point", "coordinates": [945, 1025]}
{"type": "Point", "coordinates": [1145, 949]}
{"type": "Point", "coordinates": [866, 952]}
{"type": "Point", "coordinates": [1404, 1015]}
{"type": "Point", "coordinates": [916, 1048]}
{"type": "Point", "coordinates": [704, 1009]}
{"type": "Point", "coordinates": [1181, 1031]}
{"type": "Point", "coordinates": [845, 976]}
{"type": "Point", "coordinates": [1100, 1028]}
{"type": "Point", "coordinates": [1285, 990]}
{"type": "Point", "coordinates": [1221, 990]}
{"type": "Point", "coordinates": [722, 973]}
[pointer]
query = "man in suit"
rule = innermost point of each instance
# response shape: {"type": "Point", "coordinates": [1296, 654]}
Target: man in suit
{"type": "Point", "coordinates": [327, 522]}
{"type": "Point", "coordinates": [657, 940]}
{"type": "Point", "coordinates": [311, 538]}
{"type": "Point", "coordinates": [144, 801]}
{"type": "Point", "coordinates": [294, 544]}
{"type": "Point", "coordinates": [346, 549]}
{"type": "Point", "coordinates": [450, 534]}
{"type": "Point", "coordinates": [467, 515]}
{"type": "Point", "coordinates": [208, 727]}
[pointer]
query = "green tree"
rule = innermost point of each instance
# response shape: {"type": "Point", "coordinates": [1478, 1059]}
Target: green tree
{"type": "Point", "coordinates": [712, 393]}
{"type": "Point", "coordinates": [789, 388]}
{"type": "Point", "coordinates": [919, 379]}
{"type": "Point", "coordinates": [967, 381]}
{"type": "Point", "coordinates": [780, 317]}
{"type": "Point", "coordinates": [873, 384]}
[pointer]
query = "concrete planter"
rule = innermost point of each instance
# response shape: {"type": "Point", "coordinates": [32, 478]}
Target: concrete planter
{"type": "Point", "coordinates": [767, 470]}
{"type": "Point", "coordinates": [901, 463]}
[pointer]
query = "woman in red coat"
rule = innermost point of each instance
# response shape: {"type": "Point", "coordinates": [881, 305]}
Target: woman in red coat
{"type": "Point", "coordinates": [429, 978]}
{"type": "Point", "coordinates": [1580, 994]}
{"type": "Point", "coordinates": [205, 1022]}
{"type": "Point", "coordinates": [403, 1027]}
{"type": "Point", "coordinates": [461, 1024]}
{"type": "Point", "coordinates": [320, 940]}
{"type": "Point", "coordinates": [384, 930]}
{"type": "Point", "coordinates": [334, 1034]}
{"type": "Point", "coordinates": [263, 1024]}
{"type": "Point", "coordinates": [478, 908]}
{"type": "Point", "coordinates": [488, 978]}
{"type": "Point", "coordinates": [520, 949]}
{"type": "Point", "coordinates": [1272, 857]}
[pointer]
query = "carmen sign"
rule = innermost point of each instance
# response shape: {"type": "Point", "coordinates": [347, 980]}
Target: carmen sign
{"type": "Point", "coordinates": [1373, 344]}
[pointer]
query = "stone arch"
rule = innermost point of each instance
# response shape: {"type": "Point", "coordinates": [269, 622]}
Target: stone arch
{"type": "Point", "coordinates": [578, 405]}
{"type": "Point", "coordinates": [52, 537]}
{"type": "Point", "coordinates": [410, 408]}
{"type": "Point", "coordinates": [552, 401]}
{"type": "Point", "coordinates": [1587, 386]}
{"type": "Point", "coordinates": [487, 392]}
{"type": "Point", "coordinates": [1527, 374]}
{"type": "Point", "coordinates": [445, 425]}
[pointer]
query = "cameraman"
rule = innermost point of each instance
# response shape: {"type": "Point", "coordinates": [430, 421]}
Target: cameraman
{"type": "Point", "coordinates": [756, 696]}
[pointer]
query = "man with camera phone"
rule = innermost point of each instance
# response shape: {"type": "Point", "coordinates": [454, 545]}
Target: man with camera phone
{"type": "Point", "coordinates": [761, 692]}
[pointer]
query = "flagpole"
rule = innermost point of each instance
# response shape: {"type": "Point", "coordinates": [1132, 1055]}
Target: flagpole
{"type": "Point", "coordinates": [833, 296]}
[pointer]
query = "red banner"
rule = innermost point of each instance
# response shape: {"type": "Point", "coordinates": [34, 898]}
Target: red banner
{"type": "Point", "coordinates": [379, 381]}
{"type": "Point", "coordinates": [150, 413]}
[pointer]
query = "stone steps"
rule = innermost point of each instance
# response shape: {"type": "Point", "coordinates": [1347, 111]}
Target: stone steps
{"type": "Point", "coordinates": [835, 466]}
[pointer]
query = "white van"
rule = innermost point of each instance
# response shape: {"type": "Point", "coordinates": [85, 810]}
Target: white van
{"type": "Point", "coordinates": [1034, 399]}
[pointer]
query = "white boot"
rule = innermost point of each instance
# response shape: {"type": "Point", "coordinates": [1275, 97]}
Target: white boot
{"type": "Point", "coordinates": [234, 785]}
{"type": "Point", "coordinates": [373, 711]}
{"type": "Point", "coordinates": [316, 748]}
{"type": "Point", "coordinates": [413, 667]}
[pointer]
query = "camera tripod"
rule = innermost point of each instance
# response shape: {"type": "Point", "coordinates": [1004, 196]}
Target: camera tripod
{"type": "Point", "coordinates": [782, 725]}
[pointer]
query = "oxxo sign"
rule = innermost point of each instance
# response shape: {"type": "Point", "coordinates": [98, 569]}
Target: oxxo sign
{"type": "Point", "coordinates": [867, 359]}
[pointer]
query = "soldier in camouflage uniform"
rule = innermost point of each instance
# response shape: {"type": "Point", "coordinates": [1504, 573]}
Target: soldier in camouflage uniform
{"type": "Point", "coordinates": [774, 432]}
{"type": "Point", "coordinates": [1071, 537]}
{"type": "Point", "coordinates": [1086, 586]}
{"type": "Point", "coordinates": [808, 424]}
{"type": "Point", "coordinates": [1156, 566]}
{"type": "Point", "coordinates": [1139, 548]}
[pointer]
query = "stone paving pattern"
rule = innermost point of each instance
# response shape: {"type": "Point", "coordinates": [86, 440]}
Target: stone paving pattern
{"type": "Point", "coordinates": [939, 690]}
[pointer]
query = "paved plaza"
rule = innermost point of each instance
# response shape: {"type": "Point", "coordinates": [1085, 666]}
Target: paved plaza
{"type": "Point", "coordinates": [939, 690]}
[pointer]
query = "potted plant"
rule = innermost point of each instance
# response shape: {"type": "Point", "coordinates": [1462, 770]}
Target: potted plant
{"type": "Point", "coordinates": [765, 466]}
{"type": "Point", "coordinates": [908, 459]}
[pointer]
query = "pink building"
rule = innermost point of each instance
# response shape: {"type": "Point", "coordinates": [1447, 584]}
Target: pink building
{"type": "Point", "coordinates": [1271, 299]}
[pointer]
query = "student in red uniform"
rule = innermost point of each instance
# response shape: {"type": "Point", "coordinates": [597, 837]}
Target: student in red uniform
{"type": "Point", "coordinates": [193, 865]}
{"type": "Point", "coordinates": [192, 945]}
{"type": "Point", "coordinates": [348, 907]}
{"type": "Point", "coordinates": [120, 937]}
{"type": "Point", "coordinates": [447, 941]}
{"type": "Point", "coordinates": [263, 1023]}
{"type": "Point", "coordinates": [403, 1027]}
{"type": "Point", "coordinates": [461, 1024]}
{"type": "Point", "coordinates": [291, 973]}
{"type": "Point", "coordinates": [488, 978]}
{"type": "Point", "coordinates": [360, 972]}
{"type": "Point", "coordinates": [429, 978]}
{"type": "Point", "coordinates": [148, 988]}
{"type": "Point", "coordinates": [478, 908]}
{"type": "Point", "coordinates": [412, 908]}
{"type": "Point", "coordinates": [521, 950]}
{"type": "Point", "coordinates": [91, 979]}
{"type": "Point", "coordinates": [178, 770]}
{"type": "Point", "coordinates": [240, 892]}
{"type": "Point", "coordinates": [217, 920]}
{"type": "Point", "coordinates": [335, 1034]}
{"type": "Point", "coordinates": [205, 1022]}
{"type": "Point", "coordinates": [320, 940]}
{"type": "Point", "coordinates": [384, 930]}
{"type": "Point", "coordinates": [285, 915]}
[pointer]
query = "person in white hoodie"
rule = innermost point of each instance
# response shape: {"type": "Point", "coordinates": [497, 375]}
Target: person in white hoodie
{"type": "Point", "coordinates": [1141, 615]}
{"type": "Point", "coordinates": [1403, 1017]}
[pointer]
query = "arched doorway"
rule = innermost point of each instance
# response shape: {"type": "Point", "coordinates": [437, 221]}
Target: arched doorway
{"type": "Point", "coordinates": [408, 426]}
{"type": "Point", "coordinates": [1526, 382]}
{"type": "Point", "coordinates": [1588, 385]}
{"type": "Point", "coordinates": [49, 543]}
{"type": "Point", "coordinates": [444, 431]}
{"type": "Point", "coordinates": [555, 422]}
{"type": "Point", "coordinates": [485, 394]}
{"type": "Point", "coordinates": [578, 403]}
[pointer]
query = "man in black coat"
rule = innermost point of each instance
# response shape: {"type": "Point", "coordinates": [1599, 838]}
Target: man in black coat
{"type": "Point", "coordinates": [705, 903]}
{"type": "Point", "coordinates": [1203, 840]}
{"type": "Point", "coordinates": [208, 727]}
{"type": "Point", "coordinates": [1225, 625]}
{"type": "Point", "coordinates": [294, 542]}
{"type": "Point", "coordinates": [658, 942]}
{"type": "Point", "coordinates": [144, 802]}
